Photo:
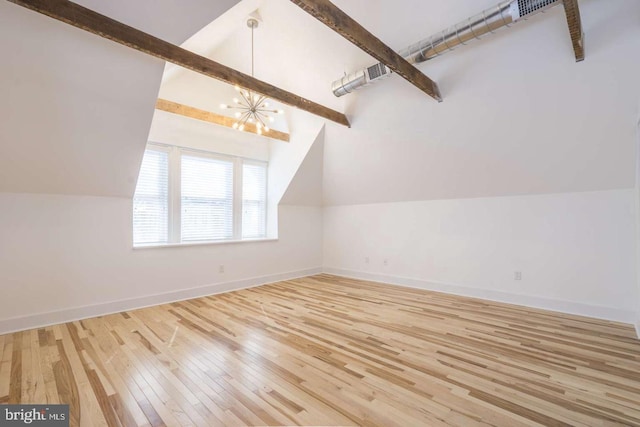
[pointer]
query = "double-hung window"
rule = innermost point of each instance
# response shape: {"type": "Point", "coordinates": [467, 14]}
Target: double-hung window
{"type": "Point", "coordinates": [206, 198]}
{"type": "Point", "coordinates": [151, 200]}
{"type": "Point", "coordinates": [185, 196]}
{"type": "Point", "coordinates": [254, 200]}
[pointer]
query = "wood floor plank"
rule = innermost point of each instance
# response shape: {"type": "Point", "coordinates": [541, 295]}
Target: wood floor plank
{"type": "Point", "coordinates": [332, 351]}
{"type": "Point", "coordinates": [15, 382]}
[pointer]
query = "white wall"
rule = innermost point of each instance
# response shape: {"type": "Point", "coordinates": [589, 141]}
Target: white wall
{"type": "Point", "coordinates": [65, 257]}
{"type": "Point", "coordinates": [285, 160]}
{"type": "Point", "coordinates": [576, 251]}
{"type": "Point", "coordinates": [305, 188]}
{"type": "Point", "coordinates": [637, 199]}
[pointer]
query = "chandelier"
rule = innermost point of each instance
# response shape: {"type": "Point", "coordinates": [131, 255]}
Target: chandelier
{"type": "Point", "coordinates": [251, 107]}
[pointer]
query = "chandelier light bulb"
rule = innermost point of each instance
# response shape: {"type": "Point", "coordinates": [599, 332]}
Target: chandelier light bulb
{"type": "Point", "coordinates": [271, 119]}
{"type": "Point", "coordinates": [259, 131]}
{"type": "Point", "coordinates": [280, 111]}
{"type": "Point", "coordinates": [266, 104]}
{"type": "Point", "coordinates": [235, 125]}
{"type": "Point", "coordinates": [241, 128]}
{"type": "Point", "coordinates": [237, 88]}
{"type": "Point", "coordinates": [224, 106]}
{"type": "Point", "coordinates": [259, 125]}
{"type": "Point", "coordinates": [236, 101]}
{"type": "Point", "coordinates": [250, 120]}
{"type": "Point", "coordinates": [238, 114]}
{"type": "Point", "coordinates": [266, 129]}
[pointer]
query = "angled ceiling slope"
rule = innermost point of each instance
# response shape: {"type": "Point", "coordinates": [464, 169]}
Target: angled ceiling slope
{"type": "Point", "coordinates": [305, 189]}
{"type": "Point", "coordinates": [77, 108]}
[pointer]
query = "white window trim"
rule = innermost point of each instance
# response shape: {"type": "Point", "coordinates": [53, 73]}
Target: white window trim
{"type": "Point", "coordinates": [266, 195]}
{"type": "Point", "coordinates": [174, 220]}
{"type": "Point", "coordinates": [203, 243]}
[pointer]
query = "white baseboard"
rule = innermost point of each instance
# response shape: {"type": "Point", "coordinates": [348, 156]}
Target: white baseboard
{"type": "Point", "coordinates": [599, 312]}
{"type": "Point", "coordinates": [77, 313]}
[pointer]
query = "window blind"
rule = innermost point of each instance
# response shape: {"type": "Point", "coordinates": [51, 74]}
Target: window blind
{"type": "Point", "coordinates": [151, 199]}
{"type": "Point", "coordinates": [206, 198]}
{"type": "Point", "coordinates": [254, 200]}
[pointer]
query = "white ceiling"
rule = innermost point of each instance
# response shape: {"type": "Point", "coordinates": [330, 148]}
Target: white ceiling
{"type": "Point", "coordinates": [519, 115]}
{"type": "Point", "coordinates": [76, 108]}
{"type": "Point", "coordinates": [171, 20]}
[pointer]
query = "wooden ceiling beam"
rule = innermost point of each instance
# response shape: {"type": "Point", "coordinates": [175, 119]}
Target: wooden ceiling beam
{"type": "Point", "coordinates": [218, 119]}
{"type": "Point", "coordinates": [103, 26]}
{"type": "Point", "coordinates": [330, 15]}
{"type": "Point", "coordinates": [572, 12]}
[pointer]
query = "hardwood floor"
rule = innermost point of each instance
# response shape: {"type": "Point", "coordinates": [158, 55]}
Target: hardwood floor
{"type": "Point", "coordinates": [325, 350]}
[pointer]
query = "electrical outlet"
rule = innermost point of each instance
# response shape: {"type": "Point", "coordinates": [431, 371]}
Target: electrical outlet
{"type": "Point", "coordinates": [385, 262]}
{"type": "Point", "coordinates": [221, 269]}
{"type": "Point", "coordinates": [517, 275]}
{"type": "Point", "coordinates": [366, 260]}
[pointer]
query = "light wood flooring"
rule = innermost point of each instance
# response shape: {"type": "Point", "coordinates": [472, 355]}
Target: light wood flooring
{"type": "Point", "coordinates": [325, 350]}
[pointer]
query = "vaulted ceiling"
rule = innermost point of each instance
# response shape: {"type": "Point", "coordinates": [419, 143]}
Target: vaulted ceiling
{"type": "Point", "coordinates": [519, 115]}
{"type": "Point", "coordinates": [76, 109]}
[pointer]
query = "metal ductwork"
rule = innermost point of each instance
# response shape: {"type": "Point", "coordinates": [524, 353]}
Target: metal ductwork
{"type": "Point", "coordinates": [487, 21]}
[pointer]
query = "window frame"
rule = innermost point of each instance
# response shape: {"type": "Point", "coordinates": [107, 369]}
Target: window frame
{"type": "Point", "coordinates": [174, 220]}
{"type": "Point", "coordinates": [254, 162]}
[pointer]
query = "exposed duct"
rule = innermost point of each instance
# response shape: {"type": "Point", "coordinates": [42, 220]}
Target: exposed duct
{"type": "Point", "coordinates": [487, 21]}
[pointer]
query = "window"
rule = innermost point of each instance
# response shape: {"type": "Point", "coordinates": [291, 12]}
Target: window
{"type": "Point", "coordinates": [185, 196]}
{"type": "Point", "coordinates": [254, 200]}
{"type": "Point", "coordinates": [151, 200]}
{"type": "Point", "coordinates": [206, 199]}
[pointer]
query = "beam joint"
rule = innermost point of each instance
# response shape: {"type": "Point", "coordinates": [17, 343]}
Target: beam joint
{"type": "Point", "coordinates": [330, 15]}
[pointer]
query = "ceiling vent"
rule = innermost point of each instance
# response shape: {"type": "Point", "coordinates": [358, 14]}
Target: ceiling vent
{"type": "Point", "coordinates": [487, 21]}
{"type": "Point", "coordinates": [530, 7]}
{"type": "Point", "coordinates": [361, 78]}
{"type": "Point", "coordinates": [377, 71]}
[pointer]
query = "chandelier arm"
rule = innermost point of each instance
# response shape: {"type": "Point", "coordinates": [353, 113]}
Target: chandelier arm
{"type": "Point", "coordinates": [245, 98]}
{"type": "Point", "coordinates": [239, 121]}
{"type": "Point", "coordinates": [261, 121]}
{"type": "Point", "coordinates": [248, 118]}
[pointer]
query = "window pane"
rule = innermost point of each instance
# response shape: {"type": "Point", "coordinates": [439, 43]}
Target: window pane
{"type": "Point", "coordinates": [207, 198]}
{"type": "Point", "coordinates": [151, 200]}
{"type": "Point", "coordinates": [254, 200]}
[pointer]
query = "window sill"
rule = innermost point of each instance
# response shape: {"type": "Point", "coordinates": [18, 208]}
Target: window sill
{"type": "Point", "coordinates": [203, 243]}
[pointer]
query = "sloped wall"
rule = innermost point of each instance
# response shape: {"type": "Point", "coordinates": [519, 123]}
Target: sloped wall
{"type": "Point", "coordinates": [77, 108]}
{"type": "Point", "coordinates": [519, 115]}
{"type": "Point", "coordinates": [305, 189]}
